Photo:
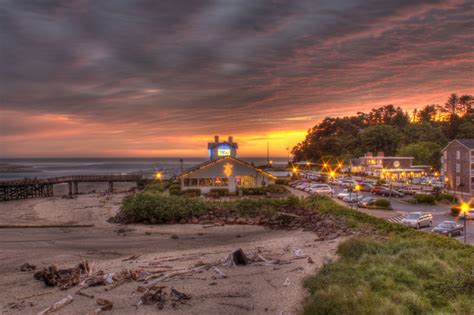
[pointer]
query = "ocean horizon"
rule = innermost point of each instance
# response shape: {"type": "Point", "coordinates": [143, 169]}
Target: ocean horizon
{"type": "Point", "coordinates": [19, 168]}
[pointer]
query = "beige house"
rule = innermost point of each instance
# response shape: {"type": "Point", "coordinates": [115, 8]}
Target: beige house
{"type": "Point", "coordinates": [224, 171]}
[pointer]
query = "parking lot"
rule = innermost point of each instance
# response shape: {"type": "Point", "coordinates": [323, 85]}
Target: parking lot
{"type": "Point", "coordinates": [401, 208]}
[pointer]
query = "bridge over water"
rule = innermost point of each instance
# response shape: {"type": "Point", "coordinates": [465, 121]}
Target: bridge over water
{"type": "Point", "coordinates": [37, 188]}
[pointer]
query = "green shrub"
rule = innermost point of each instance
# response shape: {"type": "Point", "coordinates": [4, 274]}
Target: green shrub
{"type": "Point", "coordinates": [192, 192]}
{"type": "Point", "coordinates": [159, 208]}
{"type": "Point", "coordinates": [276, 189]}
{"type": "Point", "coordinates": [382, 203]}
{"type": "Point", "coordinates": [446, 197]}
{"type": "Point", "coordinates": [425, 199]}
{"type": "Point", "coordinates": [455, 210]}
{"type": "Point", "coordinates": [219, 191]}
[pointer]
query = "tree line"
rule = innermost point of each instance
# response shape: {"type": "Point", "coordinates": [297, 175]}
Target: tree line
{"type": "Point", "coordinates": [388, 128]}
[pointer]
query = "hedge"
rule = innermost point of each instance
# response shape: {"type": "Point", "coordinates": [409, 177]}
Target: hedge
{"type": "Point", "coordinates": [446, 197]}
{"type": "Point", "coordinates": [219, 191]}
{"type": "Point", "coordinates": [425, 199]}
{"type": "Point", "coordinates": [382, 203]}
{"type": "Point", "coordinates": [192, 192]}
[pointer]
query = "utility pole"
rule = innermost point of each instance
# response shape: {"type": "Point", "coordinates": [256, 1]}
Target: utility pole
{"type": "Point", "coordinates": [268, 154]}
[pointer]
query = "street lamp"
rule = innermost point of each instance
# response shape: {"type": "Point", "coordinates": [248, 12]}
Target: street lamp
{"type": "Point", "coordinates": [158, 175]}
{"type": "Point", "coordinates": [465, 207]}
{"type": "Point", "coordinates": [357, 189]}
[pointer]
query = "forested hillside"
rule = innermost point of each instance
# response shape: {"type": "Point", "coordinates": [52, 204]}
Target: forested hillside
{"type": "Point", "coordinates": [389, 129]}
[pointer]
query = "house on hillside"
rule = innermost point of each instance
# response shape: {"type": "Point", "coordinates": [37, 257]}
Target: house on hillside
{"type": "Point", "coordinates": [224, 170]}
{"type": "Point", "coordinates": [457, 166]}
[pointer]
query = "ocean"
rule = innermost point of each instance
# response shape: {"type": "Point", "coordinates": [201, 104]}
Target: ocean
{"type": "Point", "coordinates": [55, 167]}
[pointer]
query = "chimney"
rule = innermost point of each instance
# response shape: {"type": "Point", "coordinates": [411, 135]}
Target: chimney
{"type": "Point", "coordinates": [231, 139]}
{"type": "Point", "coordinates": [381, 154]}
{"type": "Point", "coordinates": [369, 154]}
{"type": "Point", "coordinates": [216, 139]}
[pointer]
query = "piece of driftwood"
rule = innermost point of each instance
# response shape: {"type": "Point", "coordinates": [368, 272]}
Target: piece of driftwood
{"type": "Point", "coordinates": [90, 296]}
{"type": "Point", "coordinates": [219, 272]}
{"type": "Point", "coordinates": [244, 307]}
{"type": "Point", "coordinates": [236, 258]}
{"type": "Point", "coordinates": [170, 275]}
{"type": "Point", "coordinates": [105, 305]}
{"type": "Point", "coordinates": [56, 306]}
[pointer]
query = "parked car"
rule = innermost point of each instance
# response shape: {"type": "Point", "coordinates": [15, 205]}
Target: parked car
{"type": "Point", "coordinates": [469, 215]}
{"type": "Point", "coordinates": [352, 198]}
{"type": "Point", "coordinates": [366, 187]}
{"type": "Point", "coordinates": [377, 189]}
{"type": "Point", "coordinates": [372, 182]}
{"type": "Point", "coordinates": [418, 219]}
{"type": "Point", "coordinates": [411, 190]}
{"type": "Point", "coordinates": [387, 193]}
{"type": "Point", "coordinates": [347, 183]}
{"type": "Point", "coordinates": [302, 186]}
{"type": "Point", "coordinates": [449, 228]}
{"type": "Point", "coordinates": [343, 194]}
{"type": "Point", "coordinates": [322, 189]}
{"type": "Point", "coordinates": [366, 202]}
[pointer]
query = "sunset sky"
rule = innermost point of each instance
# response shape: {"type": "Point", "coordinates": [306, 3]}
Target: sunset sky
{"type": "Point", "coordinates": [161, 78]}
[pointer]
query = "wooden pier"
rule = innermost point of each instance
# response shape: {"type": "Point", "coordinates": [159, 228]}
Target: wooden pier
{"type": "Point", "coordinates": [38, 188]}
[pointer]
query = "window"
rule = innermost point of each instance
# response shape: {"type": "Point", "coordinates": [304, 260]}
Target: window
{"type": "Point", "coordinates": [194, 181]}
{"type": "Point", "coordinates": [458, 180]}
{"type": "Point", "coordinates": [202, 182]}
{"type": "Point", "coordinates": [445, 155]}
{"type": "Point", "coordinates": [221, 181]}
{"type": "Point", "coordinates": [458, 167]}
{"type": "Point", "coordinates": [186, 182]}
{"type": "Point", "coordinates": [458, 155]}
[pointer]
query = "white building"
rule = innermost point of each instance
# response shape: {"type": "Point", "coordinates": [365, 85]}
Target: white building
{"type": "Point", "coordinates": [224, 170]}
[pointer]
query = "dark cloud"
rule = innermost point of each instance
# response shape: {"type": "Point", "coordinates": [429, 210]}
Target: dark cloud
{"type": "Point", "coordinates": [196, 67]}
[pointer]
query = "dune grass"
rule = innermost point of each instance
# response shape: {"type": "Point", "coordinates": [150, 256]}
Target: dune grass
{"type": "Point", "coordinates": [409, 272]}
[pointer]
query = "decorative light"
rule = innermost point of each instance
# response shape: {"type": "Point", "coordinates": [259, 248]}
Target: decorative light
{"type": "Point", "coordinates": [228, 169]}
{"type": "Point", "coordinates": [465, 208]}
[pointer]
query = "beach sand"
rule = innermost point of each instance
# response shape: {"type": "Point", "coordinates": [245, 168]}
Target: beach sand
{"type": "Point", "coordinates": [246, 289]}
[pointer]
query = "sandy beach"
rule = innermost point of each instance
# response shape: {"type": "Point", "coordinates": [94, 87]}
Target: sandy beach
{"type": "Point", "coordinates": [254, 288]}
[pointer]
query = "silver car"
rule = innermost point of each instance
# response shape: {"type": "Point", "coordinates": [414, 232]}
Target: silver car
{"type": "Point", "coordinates": [418, 219]}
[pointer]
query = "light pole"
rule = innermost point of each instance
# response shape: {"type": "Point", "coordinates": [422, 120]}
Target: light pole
{"type": "Point", "coordinates": [464, 210]}
{"type": "Point", "coordinates": [357, 189]}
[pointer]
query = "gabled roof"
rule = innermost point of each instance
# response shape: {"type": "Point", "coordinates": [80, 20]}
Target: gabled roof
{"type": "Point", "coordinates": [467, 143]}
{"type": "Point", "coordinates": [208, 163]}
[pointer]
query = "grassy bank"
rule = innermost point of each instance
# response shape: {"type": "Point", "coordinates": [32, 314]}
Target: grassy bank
{"type": "Point", "coordinates": [410, 272]}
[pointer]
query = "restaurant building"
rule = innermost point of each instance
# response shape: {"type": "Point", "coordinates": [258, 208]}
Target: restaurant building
{"type": "Point", "coordinates": [224, 170]}
{"type": "Point", "coordinates": [457, 166]}
{"type": "Point", "coordinates": [388, 167]}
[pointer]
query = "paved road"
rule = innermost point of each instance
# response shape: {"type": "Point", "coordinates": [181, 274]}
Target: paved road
{"type": "Point", "coordinates": [402, 208]}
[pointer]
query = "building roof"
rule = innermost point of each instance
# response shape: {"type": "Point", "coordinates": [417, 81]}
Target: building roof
{"type": "Point", "coordinates": [202, 165]}
{"type": "Point", "coordinates": [212, 145]}
{"type": "Point", "coordinates": [467, 143]}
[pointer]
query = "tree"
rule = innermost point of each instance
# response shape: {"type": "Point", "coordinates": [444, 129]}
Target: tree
{"type": "Point", "coordinates": [465, 103]}
{"type": "Point", "coordinates": [466, 131]}
{"type": "Point", "coordinates": [423, 131]}
{"type": "Point", "coordinates": [380, 138]}
{"type": "Point", "coordinates": [425, 153]}
{"type": "Point", "coordinates": [451, 105]}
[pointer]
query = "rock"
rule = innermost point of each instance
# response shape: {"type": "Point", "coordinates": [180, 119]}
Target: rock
{"type": "Point", "coordinates": [174, 237]}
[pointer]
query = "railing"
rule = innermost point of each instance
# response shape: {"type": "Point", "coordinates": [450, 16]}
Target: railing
{"type": "Point", "coordinates": [77, 178]}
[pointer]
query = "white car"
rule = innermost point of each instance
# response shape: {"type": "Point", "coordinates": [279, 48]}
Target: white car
{"type": "Point", "coordinates": [343, 194]}
{"type": "Point", "coordinates": [418, 219]}
{"type": "Point", "coordinates": [321, 189]}
{"type": "Point", "coordinates": [302, 186]}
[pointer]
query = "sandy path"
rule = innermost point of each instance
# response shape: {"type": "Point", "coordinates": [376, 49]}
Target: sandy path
{"type": "Point", "coordinates": [259, 289]}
